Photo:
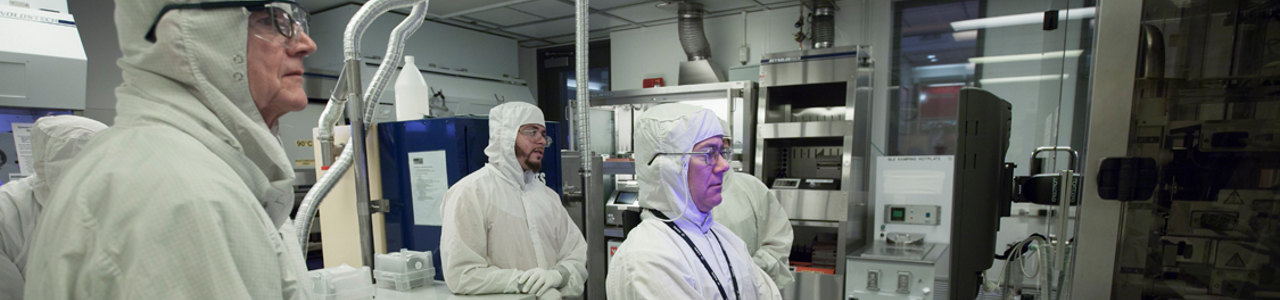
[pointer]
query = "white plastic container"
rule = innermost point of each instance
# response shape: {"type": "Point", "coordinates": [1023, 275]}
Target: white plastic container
{"type": "Point", "coordinates": [412, 94]}
{"type": "Point", "coordinates": [343, 283]}
{"type": "Point", "coordinates": [403, 270]}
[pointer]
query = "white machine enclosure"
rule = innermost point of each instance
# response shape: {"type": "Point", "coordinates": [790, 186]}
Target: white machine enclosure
{"type": "Point", "coordinates": [914, 276]}
{"type": "Point", "coordinates": [42, 61]}
{"type": "Point", "coordinates": [921, 184]}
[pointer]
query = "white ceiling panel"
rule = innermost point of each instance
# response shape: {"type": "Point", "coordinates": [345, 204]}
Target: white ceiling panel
{"type": "Point", "coordinates": [723, 5]}
{"type": "Point", "coordinates": [546, 8]}
{"type": "Point", "coordinates": [552, 28]}
{"type": "Point", "coordinates": [441, 8]}
{"type": "Point", "coordinates": [503, 16]}
{"type": "Point", "coordinates": [598, 22]}
{"type": "Point", "coordinates": [607, 4]}
{"type": "Point", "coordinates": [643, 13]}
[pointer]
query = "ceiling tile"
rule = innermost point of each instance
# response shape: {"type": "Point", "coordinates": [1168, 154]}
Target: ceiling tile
{"type": "Point", "coordinates": [503, 16]}
{"type": "Point", "coordinates": [545, 29]}
{"type": "Point", "coordinates": [607, 4]}
{"type": "Point", "coordinates": [772, 2]}
{"type": "Point", "coordinates": [599, 22]}
{"type": "Point", "coordinates": [441, 8]}
{"type": "Point", "coordinates": [562, 40]}
{"type": "Point", "coordinates": [545, 8]}
{"type": "Point", "coordinates": [643, 13]}
{"type": "Point", "coordinates": [723, 5]}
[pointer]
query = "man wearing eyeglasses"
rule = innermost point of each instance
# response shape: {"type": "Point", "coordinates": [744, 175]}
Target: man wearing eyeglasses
{"type": "Point", "coordinates": [188, 195]}
{"type": "Point", "coordinates": [504, 231]}
{"type": "Point", "coordinates": [678, 251]}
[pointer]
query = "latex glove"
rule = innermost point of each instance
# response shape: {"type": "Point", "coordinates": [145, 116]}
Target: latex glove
{"type": "Point", "coordinates": [538, 280]}
{"type": "Point", "coordinates": [551, 294]}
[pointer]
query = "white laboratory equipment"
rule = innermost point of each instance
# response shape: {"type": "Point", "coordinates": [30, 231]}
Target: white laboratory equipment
{"type": "Point", "coordinates": [411, 92]}
{"type": "Point", "coordinates": [403, 270]}
{"type": "Point", "coordinates": [342, 283]}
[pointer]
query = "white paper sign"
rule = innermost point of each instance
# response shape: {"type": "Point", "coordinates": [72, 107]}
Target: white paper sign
{"type": "Point", "coordinates": [22, 141]}
{"type": "Point", "coordinates": [428, 180]}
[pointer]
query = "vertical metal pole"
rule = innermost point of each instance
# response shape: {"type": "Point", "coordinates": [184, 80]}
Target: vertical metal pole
{"type": "Point", "coordinates": [590, 188]}
{"type": "Point", "coordinates": [1065, 194]}
{"type": "Point", "coordinates": [356, 114]}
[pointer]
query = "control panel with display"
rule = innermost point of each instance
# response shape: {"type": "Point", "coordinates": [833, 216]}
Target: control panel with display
{"type": "Point", "coordinates": [912, 214]}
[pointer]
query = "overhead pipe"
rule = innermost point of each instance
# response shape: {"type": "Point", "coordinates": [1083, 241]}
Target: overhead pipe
{"type": "Point", "coordinates": [692, 36]}
{"type": "Point", "coordinates": [823, 27]}
{"type": "Point", "coordinates": [349, 89]}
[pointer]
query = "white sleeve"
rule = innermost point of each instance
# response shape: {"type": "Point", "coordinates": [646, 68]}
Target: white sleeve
{"type": "Point", "coordinates": [775, 233]}
{"type": "Point", "coordinates": [463, 244]}
{"type": "Point", "coordinates": [765, 288]}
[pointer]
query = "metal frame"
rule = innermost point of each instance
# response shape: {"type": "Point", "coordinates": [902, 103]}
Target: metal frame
{"type": "Point", "coordinates": [817, 66]}
{"type": "Point", "coordinates": [1115, 55]}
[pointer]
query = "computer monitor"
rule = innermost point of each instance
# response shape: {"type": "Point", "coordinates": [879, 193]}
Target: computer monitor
{"type": "Point", "coordinates": [982, 188]}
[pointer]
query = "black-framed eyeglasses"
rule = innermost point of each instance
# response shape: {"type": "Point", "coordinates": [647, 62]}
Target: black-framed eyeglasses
{"type": "Point", "coordinates": [708, 156]}
{"type": "Point", "coordinates": [287, 17]}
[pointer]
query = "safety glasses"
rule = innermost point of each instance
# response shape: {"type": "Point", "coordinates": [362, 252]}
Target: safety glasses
{"type": "Point", "coordinates": [707, 156]}
{"type": "Point", "coordinates": [284, 20]}
{"type": "Point", "coordinates": [534, 133]}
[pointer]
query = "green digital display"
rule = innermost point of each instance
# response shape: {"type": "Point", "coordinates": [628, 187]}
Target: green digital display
{"type": "Point", "coordinates": [897, 214]}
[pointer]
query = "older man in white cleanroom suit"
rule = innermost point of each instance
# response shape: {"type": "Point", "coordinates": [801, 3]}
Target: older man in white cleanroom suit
{"type": "Point", "coordinates": [188, 194]}
{"type": "Point", "coordinates": [504, 231]}
{"type": "Point", "coordinates": [678, 251]}
{"type": "Point", "coordinates": [754, 214]}
{"type": "Point", "coordinates": [55, 141]}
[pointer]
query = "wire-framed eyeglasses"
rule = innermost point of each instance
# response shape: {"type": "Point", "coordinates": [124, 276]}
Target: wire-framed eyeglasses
{"type": "Point", "coordinates": [535, 133]}
{"type": "Point", "coordinates": [707, 156]}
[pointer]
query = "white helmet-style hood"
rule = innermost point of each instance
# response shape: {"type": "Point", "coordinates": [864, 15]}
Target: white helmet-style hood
{"type": "Point", "coordinates": [194, 77]}
{"type": "Point", "coordinates": [670, 128]}
{"type": "Point", "coordinates": [504, 123]}
{"type": "Point", "coordinates": [55, 141]}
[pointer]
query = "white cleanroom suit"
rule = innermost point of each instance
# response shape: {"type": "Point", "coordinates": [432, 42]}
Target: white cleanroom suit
{"type": "Point", "coordinates": [55, 141]}
{"type": "Point", "coordinates": [502, 221]}
{"type": "Point", "coordinates": [188, 194]}
{"type": "Point", "coordinates": [754, 214]}
{"type": "Point", "coordinates": [655, 262]}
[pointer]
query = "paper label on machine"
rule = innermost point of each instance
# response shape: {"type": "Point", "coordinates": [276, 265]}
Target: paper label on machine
{"type": "Point", "coordinates": [22, 141]}
{"type": "Point", "coordinates": [429, 179]}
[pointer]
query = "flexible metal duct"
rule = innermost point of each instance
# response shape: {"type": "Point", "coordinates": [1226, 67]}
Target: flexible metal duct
{"type": "Point", "coordinates": [692, 37]}
{"type": "Point", "coordinates": [823, 27]}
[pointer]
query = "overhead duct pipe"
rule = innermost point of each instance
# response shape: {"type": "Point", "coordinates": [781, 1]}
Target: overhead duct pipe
{"type": "Point", "coordinates": [696, 48]}
{"type": "Point", "coordinates": [823, 27]}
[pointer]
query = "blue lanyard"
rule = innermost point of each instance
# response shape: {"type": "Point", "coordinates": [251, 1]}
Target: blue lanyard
{"type": "Point", "coordinates": [732, 276]}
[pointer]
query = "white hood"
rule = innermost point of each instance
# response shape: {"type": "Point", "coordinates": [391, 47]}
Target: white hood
{"type": "Point", "coordinates": [194, 78]}
{"type": "Point", "coordinates": [504, 123]}
{"type": "Point", "coordinates": [55, 141]}
{"type": "Point", "coordinates": [671, 128]}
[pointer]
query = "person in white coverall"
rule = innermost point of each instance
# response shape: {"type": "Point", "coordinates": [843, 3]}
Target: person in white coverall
{"type": "Point", "coordinates": [54, 141]}
{"type": "Point", "coordinates": [188, 195]}
{"type": "Point", "coordinates": [754, 214]}
{"type": "Point", "coordinates": [504, 231]}
{"type": "Point", "coordinates": [678, 251]}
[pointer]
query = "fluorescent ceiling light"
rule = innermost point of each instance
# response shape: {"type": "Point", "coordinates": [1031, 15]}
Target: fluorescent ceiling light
{"type": "Point", "coordinates": [591, 86]}
{"type": "Point", "coordinates": [1022, 79]}
{"type": "Point", "coordinates": [1022, 19]}
{"type": "Point", "coordinates": [967, 35]}
{"type": "Point", "coordinates": [1022, 57]}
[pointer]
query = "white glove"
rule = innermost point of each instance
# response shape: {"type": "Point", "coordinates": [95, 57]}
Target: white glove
{"type": "Point", "coordinates": [551, 294]}
{"type": "Point", "coordinates": [538, 280]}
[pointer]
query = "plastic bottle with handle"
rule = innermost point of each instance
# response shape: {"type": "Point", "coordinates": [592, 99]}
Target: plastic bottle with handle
{"type": "Point", "coordinates": [411, 93]}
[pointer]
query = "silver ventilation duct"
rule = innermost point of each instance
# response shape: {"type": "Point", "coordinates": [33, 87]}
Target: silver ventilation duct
{"type": "Point", "coordinates": [694, 41]}
{"type": "Point", "coordinates": [824, 25]}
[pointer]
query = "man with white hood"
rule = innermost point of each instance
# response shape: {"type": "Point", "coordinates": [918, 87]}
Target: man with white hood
{"type": "Point", "coordinates": [678, 251]}
{"type": "Point", "coordinates": [504, 231]}
{"type": "Point", "coordinates": [188, 195]}
{"type": "Point", "coordinates": [754, 214]}
{"type": "Point", "coordinates": [55, 140]}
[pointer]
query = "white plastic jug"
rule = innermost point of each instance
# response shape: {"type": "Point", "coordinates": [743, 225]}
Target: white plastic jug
{"type": "Point", "coordinates": [411, 92]}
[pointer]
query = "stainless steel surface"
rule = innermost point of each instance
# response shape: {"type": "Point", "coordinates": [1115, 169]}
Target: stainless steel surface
{"type": "Point", "coordinates": [620, 167]}
{"type": "Point", "coordinates": [1114, 59]}
{"type": "Point", "coordinates": [1151, 52]}
{"type": "Point", "coordinates": [571, 191]}
{"type": "Point", "coordinates": [814, 205]}
{"type": "Point", "coordinates": [699, 72]}
{"type": "Point", "coordinates": [790, 68]}
{"type": "Point", "coordinates": [814, 286]}
{"type": "Point", "coordinates": [802, 223]}
{"type": "Point", "coordinates": [805, 129]}
{"type": "Point", "coordinates": [670, 93]}
{"type": "Point", "coordinates": [597, 245]}
{"type": "Point", "coordinates": [1072, 163]}
{"type": "Point", "coordinates": [356, 114]}
{"type": "Point", "coordinates": [925, 253]}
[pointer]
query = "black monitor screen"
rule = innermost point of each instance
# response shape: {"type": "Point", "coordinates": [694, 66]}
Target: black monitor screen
{"type": "Point", "coordinates": [980, 188]}
{"type": "Point", "coordinates": [626, 198]}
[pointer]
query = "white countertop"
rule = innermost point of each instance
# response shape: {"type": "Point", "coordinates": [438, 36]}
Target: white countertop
{"type": "Point", "coordinates": [438, 291]}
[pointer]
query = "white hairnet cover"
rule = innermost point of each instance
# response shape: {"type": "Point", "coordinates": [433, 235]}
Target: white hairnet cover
{"type": "Point", "coordinates": [55, 141]}
{"type": "Point", "coordinates": [502, 220]}
{"type": "Point", "coordinates": [670, 128]}
{"type": "Point", "coordinates": [188, 194]}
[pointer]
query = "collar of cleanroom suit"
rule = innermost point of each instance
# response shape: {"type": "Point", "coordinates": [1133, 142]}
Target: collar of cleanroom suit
{"type": "Point", "coordinates": [188, 194]}
{"type": "Point", "coordinates": [55, 140]}
{"type": "Point", "coordinates": [756, 216]}
{"type": "Point", "coordinates": [501, 220]}
{"type": "Point", "coordinates": [655, 262]}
